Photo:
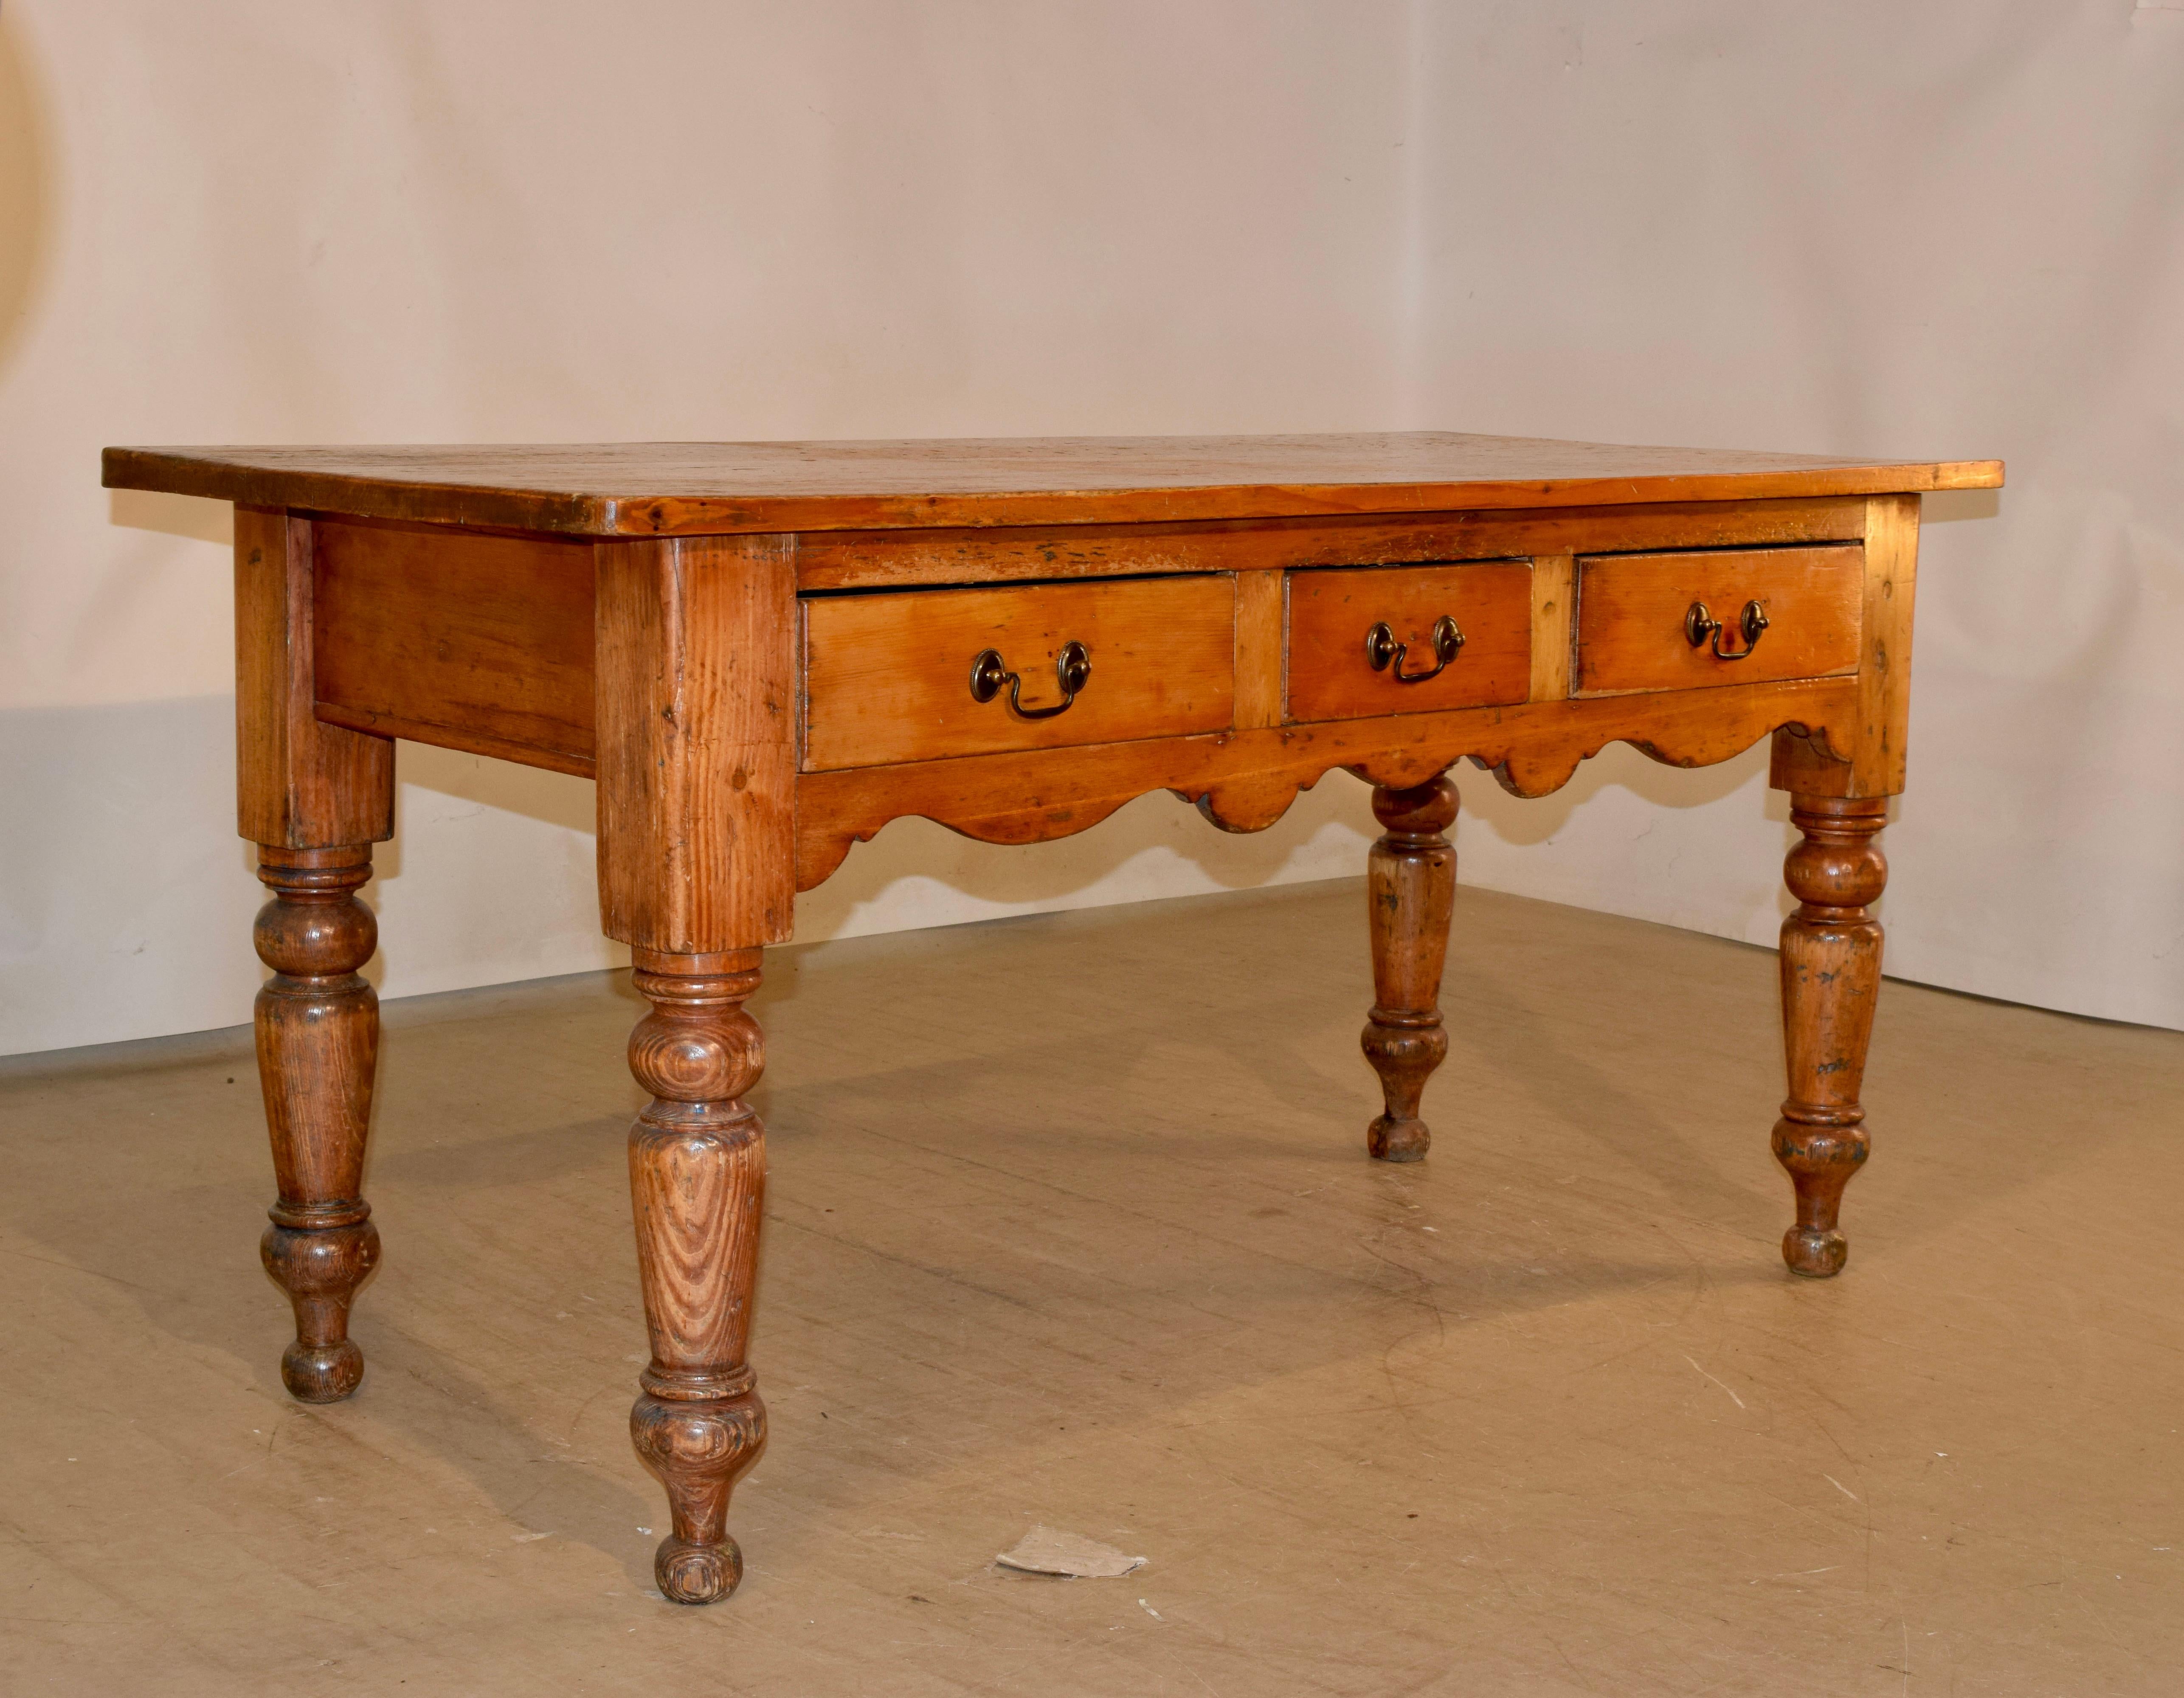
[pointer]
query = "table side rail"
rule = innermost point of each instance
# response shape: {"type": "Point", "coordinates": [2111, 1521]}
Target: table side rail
{"type": "Point", "coordinates": [892, 559]}
{"type": "Point", "coordinates": [482, 641]}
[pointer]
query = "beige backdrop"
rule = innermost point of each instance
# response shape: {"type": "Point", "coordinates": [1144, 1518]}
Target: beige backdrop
{"type": "Point", "coordinates": [1945, 230]}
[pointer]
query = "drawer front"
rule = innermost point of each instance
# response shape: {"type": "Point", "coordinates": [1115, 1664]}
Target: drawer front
{"type": "Point", "coordinates": [887, 678]}
{"type": "Point", "coordinates": [1633, 612]}
{"type": "Point", "coordinates": [1333, 615]}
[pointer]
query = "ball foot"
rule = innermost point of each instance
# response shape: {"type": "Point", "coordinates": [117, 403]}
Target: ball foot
{"type": "Point", "coordinates": [1815, 1254]}
{"type": "Point", "coordinates": [321, 1374]}
{"type": "Point", "coordinates": [1390, 1140]}
{"type": "Point", "coordinates": [691, 1573]}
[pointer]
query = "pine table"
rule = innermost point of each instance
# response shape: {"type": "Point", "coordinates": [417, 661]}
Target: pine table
{"type": "Point", "coordinates": [764, 652]}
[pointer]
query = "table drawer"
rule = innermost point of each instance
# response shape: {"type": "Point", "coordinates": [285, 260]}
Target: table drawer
{"type": "Point", "coordinates": [889, 677]}
{"type": "Point", "coordinates": [1335, 615]}
{"type": "Point", "coordinates": [1635, 621]}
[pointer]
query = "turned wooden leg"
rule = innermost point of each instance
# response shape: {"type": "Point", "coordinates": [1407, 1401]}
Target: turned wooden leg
{"type": "Point", "coordinates": [1830, 977]}
{"type": "Point", "coordinates": [1411, 885]}
{"type": "Point", "coordinates": [696, 1176]}
{"type": "Point", "coordinates": [318, 1044]}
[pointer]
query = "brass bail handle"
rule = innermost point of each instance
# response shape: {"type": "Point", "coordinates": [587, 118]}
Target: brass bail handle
{"type": "Point", "coordinates": [1699, 626]}
{"type": "Point", "coordinates": [1385, 654]}
{"type": "Point", "coordinates": [1072, 671]}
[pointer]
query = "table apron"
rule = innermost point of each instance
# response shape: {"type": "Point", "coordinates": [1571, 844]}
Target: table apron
{"type": "Point", "coordinates": [1244, 781]}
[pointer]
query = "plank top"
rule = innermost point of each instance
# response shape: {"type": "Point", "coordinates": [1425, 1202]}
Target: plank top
{"type": "Point", "coordinates": [650, 489]}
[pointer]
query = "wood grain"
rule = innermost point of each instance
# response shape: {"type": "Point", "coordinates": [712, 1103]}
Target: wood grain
{"type": "Point", "coordinates": [887, 677]}
{"type": "Point", "coordinates": [635, 489]}
{"type": "Point", "coordinates": [317, 1024]}
{"type": "Point", "coordinates": [1246, 780]}
{"type": "Point", "coordinates": [697, 759]}
{"type": "Point", "coordinates": [1261, 648]}
{"type": "Point", "coordinates": [481, 642]}
{"type": "Point", "coordinates": [1884, 676]}
{"type": "Point", "coordinates": [1330, 611]}
{"type": "Point", "coordinates": [1554, 625]}
{"type": "Point", "coordinates": [1802, 762]}
{"type": "Point", "coordinates": [697, 1181]}
{"type": "Point", "coordinates": [1630, 615]}
{"type": "Point", "coordinates": [873, 560]}
{"type": "Point", "coordinates": [299, 784]}
{"type": "Point", "coordinates": [1410, 893]}
{"type": "Point", "coordinates": [1831, 965]}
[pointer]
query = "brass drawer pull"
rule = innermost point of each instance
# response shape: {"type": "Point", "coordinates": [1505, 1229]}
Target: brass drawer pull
{"type": "Point", "coordinates": [1072, 671]}
{"type": "Point", "coordinates": [1699, 625]}
{"type": "Point", "coordinates": [1384, 652]}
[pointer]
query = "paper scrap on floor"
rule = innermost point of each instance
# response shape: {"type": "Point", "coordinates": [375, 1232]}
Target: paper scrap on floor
{"type": "Point", "coordinates": [1043, 1550]}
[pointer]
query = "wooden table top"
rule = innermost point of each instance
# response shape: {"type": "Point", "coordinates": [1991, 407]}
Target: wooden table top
{"type": "Point", "coordinates": [648, 489]}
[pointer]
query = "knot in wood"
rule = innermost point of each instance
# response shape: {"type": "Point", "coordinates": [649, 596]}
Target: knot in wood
{"type": "Point", "coordinates": [685, 1054]}
{"type": "Point", "coordinates": [1425, 810]}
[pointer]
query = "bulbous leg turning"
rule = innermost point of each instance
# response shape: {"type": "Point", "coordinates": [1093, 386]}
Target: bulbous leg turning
{"type": "Point", "coordinates": [1830, 965]}
{"type": "Point", "coordinates": [321, 1271]}
{"type": "Point", "coordinates": [696, 1449]}
{"type": "Point", "coordinates": [318, 1049]}
{"type": "Point", "coordinates": [697, 1172]}
{"type": "Point", "coordinates": [1411, 890]}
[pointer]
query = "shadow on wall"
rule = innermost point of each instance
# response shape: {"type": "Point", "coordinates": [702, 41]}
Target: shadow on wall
{"type": "Point", "coordinates": [26, 211]}
{"type": "Point", "coordinates": [187, 517]}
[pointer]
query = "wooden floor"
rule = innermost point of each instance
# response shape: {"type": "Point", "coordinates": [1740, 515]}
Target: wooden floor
{"type": "Point", "coordinates": [1070, 1223]}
